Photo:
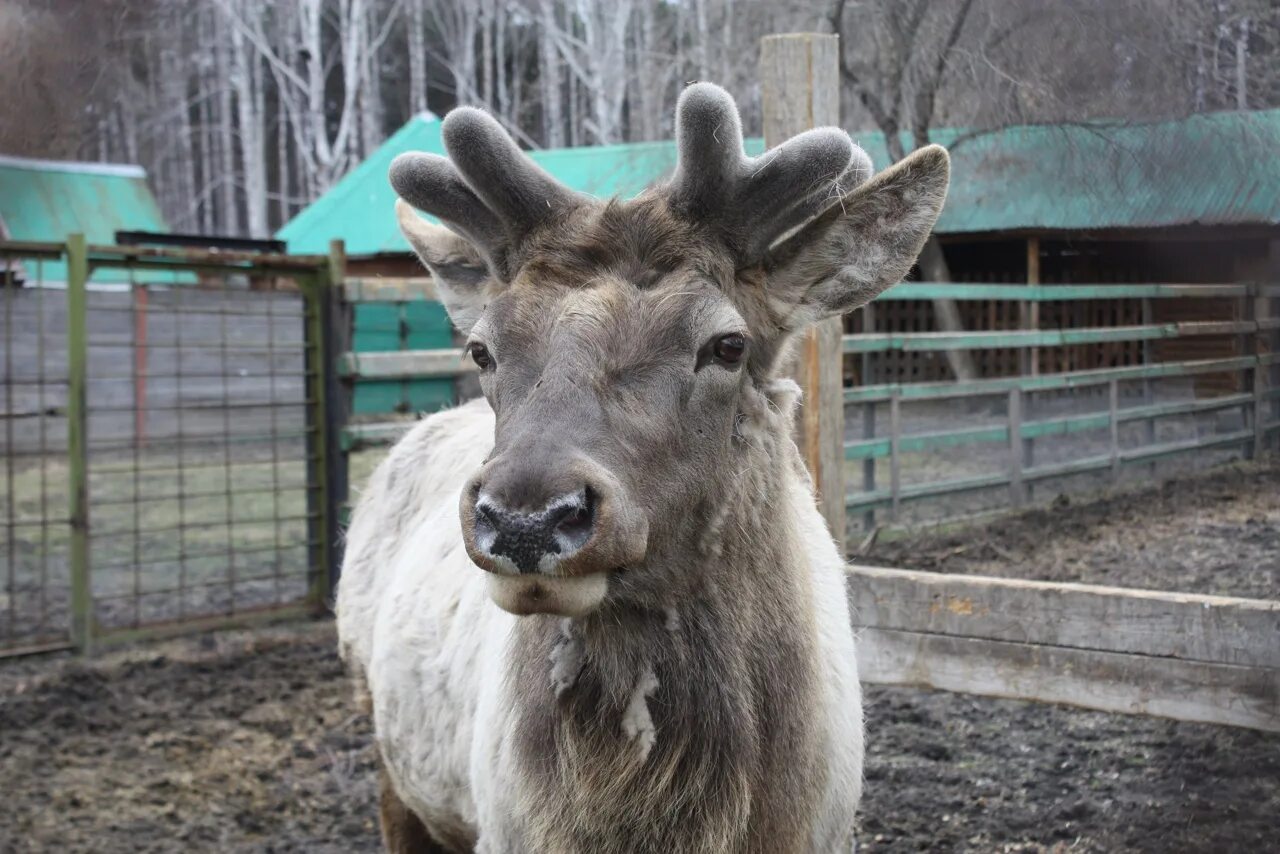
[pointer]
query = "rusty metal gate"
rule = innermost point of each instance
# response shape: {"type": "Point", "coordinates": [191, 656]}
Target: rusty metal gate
{"type": "Point", "coordinates": [165, 444]}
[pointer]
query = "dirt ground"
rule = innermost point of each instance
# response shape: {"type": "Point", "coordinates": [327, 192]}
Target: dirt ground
{"type": "Point", "coordinates": [242, 742]}
{"type": "Point", "coordinates": [1216, 532]}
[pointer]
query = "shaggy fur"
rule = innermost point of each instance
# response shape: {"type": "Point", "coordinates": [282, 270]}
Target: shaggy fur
{"type": "Point", "coordinates": [709, 702]}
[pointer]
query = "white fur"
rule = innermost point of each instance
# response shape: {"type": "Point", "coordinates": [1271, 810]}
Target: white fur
{"type": "Point", "coordinates": [415, 620]}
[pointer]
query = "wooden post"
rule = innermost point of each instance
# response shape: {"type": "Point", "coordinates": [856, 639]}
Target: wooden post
{"type": "Point", "coordinates": [140, 310]}
{"type": "Point", "coordinates": [78, 441]}
{"type": "Point", "coordinates": [1113, 397]}
{"type": "Point", "coordinates": [1148, 386]}
{"type": "Point", "coordinates": [1029, 318]}
{"type": "Point", "coordinates": [895, 450]}
{"type": "Point", "coordinates": [869, 465]}
{"type": "Point", "coordinates": [334, 330]}
{"type": "Point", "coordinates": [1268, 345]}
{"type": "Point", "coordinates": [1017, 488]}
{"type": "Point", "coordinates": [800, 79]}
{"type": "Point", "coordinates": [1251, 411]}
{"type": "Point", "coordinates": [1029, 315]}
{"type": "Point", "coordinates": [868, 418]}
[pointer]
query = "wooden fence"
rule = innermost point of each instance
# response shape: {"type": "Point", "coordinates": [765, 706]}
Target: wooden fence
{"type": "Point", "coordinates": [1248, 359]}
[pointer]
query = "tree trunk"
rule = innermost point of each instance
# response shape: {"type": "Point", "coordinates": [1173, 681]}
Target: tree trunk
{"type": "Point", "coordinates": [549, 80]}
{"type": "Point", "coordinates": [416, 26]}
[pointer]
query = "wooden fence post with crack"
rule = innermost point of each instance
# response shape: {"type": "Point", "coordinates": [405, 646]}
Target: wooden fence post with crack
{"type": "Point", "coordinates": [800, 81]}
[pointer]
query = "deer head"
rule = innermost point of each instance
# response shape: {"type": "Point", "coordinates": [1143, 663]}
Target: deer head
{"type": "Point", "coordinates": [628, 348]}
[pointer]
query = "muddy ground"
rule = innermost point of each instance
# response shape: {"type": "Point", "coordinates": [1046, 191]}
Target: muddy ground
{"type": "Point", "coordinates": [240, 742]}
{"type": "Point", "coordinates": [1217, 532]}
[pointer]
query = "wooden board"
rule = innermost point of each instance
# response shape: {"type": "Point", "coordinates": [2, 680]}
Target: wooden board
{"type": "Point", "coordinates": [1192, 627]}
{"type": "Point", "coordinates": [1187, 656]}
{"type": "Point", "coordinates": [800, 90]}
{"type": "Point", "coordinates": [1107, 681]}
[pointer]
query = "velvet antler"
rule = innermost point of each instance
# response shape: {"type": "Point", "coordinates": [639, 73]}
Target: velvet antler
{"type": "Point", "coordinates": [488, 190]}
{"type": "Point", "coordinates": [493, 194]}
{"type": "Point", "coordinates": [754, 201]}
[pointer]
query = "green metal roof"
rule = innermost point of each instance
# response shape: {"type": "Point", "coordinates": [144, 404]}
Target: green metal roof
{"type": "Point", "coordinates": [46, 200]}
{"type": "Point", "coordinates": [1212, 169]}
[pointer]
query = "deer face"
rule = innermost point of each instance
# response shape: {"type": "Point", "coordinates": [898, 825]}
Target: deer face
{"type": "Point", "coordinates": [623, 344]}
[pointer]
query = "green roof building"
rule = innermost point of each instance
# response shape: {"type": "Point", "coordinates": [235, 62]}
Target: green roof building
{"type": "Point", "coordinates": [46, 200]}
{"type": "Point", "coordinates": [1214, 169]}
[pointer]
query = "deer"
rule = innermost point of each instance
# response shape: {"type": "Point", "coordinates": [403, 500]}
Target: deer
{"type": "Point", "coordinates": [597, 609]}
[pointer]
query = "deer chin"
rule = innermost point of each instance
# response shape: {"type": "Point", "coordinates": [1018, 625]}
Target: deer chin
{"type": "Point", "coordinates": [535, 593]}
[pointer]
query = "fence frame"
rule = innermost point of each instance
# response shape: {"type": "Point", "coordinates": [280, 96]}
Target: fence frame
{"type": "Point", "coordinates": [313, 277]}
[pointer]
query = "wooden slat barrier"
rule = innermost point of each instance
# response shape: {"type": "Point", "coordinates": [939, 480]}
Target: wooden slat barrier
{"type": "Point", "coordinates": [910, 342]}
{"type": "Point", "coordinates": [1186, 656]}
{"type": "Point", "coordinates": [1047, 382]}
{"type": "Point", "coordinates": [385, 289]}
{"type": "Point", "coordinates": [405, 364]}
{"type": "Point", "coordinates": [926, 291]}
{"type": "Point", "coordinates": [876, 448]}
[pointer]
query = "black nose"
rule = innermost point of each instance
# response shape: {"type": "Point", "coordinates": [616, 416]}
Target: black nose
{"type": "Point", "coordinates": [536, 541]}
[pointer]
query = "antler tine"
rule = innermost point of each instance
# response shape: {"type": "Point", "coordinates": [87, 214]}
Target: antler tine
{"type": "Point", "coordinates": [487, 190]}
{"type": "Point", "coordinates": [797, 180]}
{"type": "Point", "coordinates": [752, 201]}
{"type": "Point", "coordinates": [515, 188]}
{"type": "Point", "coordinates": [430, 183]}
{"type": "Point", "coordinates": [709, 153]}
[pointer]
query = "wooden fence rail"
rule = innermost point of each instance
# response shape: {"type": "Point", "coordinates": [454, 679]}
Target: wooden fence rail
{"type": "Point", "coordinates": [1192, 657]}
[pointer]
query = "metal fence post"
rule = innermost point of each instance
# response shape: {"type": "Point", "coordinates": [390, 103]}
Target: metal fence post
{"type": "Point", "coordinates": [321, 529]}
{"type": "Point", "coordinates": [895, 450]}
{"type": "Point", "coordinates": [78, 442]}
{"type": "Point", "coordinates": [337, 402]}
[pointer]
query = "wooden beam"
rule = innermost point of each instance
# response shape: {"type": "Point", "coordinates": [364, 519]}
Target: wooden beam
{"type": "Point", "coordinates": [800, 82]}
{"type": "Point", "coordinates": [386, 289]}
{"type": "Point", "coordinates": [1190, 626]}
{"type": "Point", "coordinates": [1068, 379]}
{"type": "Point", "coordinates": [928, 291]}
{"type": "Point", "coordinates": [935, 341]}
{"type": "Point", "coordinates": [405, 364]}
{"type": "Point", "coordinates": [1107, 681]}
{"type": "Point", "coordinates": [1186, 656]}
{"type": "Point", "coordinates": [1030, 313]}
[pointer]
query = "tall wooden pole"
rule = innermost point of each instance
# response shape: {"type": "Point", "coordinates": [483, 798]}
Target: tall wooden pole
{"type": "Point", "coordinates": [800, 80]}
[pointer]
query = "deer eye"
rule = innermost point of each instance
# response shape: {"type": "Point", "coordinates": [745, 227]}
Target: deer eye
{"type": "Point", "coordinates": [730, 349]}
{"type": "Point", "coordinates": [480, 355]}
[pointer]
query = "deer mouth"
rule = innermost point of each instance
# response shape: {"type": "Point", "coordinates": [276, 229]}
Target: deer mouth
{"type": "Point", "coordinates": [561, 595]}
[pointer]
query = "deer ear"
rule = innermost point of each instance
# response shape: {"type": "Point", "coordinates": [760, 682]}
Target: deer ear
{"type": "Point", "coordinates": [459, 273]}
{"type": "Point", "coordinates": [863, 242]}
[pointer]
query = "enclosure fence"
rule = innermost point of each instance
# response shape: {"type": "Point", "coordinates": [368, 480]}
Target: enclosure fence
{"type": "Point", "coordinates": [178, 429]}
{"type": "Point", "coordinates": [164, 441]}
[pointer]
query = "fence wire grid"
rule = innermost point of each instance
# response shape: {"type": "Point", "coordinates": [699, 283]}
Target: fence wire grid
{"type": "Point", "coordinates": [162, 452]}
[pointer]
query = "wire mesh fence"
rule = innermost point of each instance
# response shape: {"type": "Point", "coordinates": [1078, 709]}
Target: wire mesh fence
{"type": "Point", "coordinates": [163, 439]}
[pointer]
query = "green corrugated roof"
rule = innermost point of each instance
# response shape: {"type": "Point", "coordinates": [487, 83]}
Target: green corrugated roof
{"type": "Point", "coordinates": [46, 200]}
{"type": "Point", "coordinates": [1213, 169]}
